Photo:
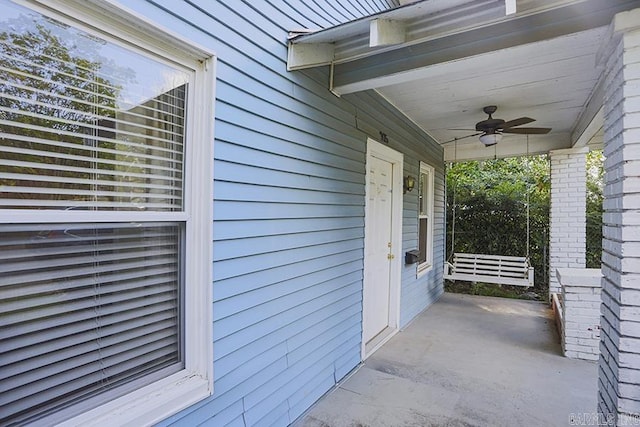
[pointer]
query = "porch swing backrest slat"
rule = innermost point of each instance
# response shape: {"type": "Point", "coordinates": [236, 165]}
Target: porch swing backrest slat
{"type": "Point", "coordinates": [493, 265]}
{"type": "Point", "coordinates": [504, 258]}
{"type": "Point", "coordinates": [491, 271]}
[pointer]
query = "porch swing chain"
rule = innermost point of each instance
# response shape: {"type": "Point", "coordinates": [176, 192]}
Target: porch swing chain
{"type": "Point", "coordinates": [453, 219]}
{"type": "Point", "coordinates": [455, 189]}
{"type": "Point", "coordinates": [453, 222]}
{"type": "Point", "coordinates": [528, 189]}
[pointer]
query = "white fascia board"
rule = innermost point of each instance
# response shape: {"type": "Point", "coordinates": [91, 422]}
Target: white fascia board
{"type": "Point", "coordinates": [589, 132]}
{"type": "Point", "coordinates": [591, 117]}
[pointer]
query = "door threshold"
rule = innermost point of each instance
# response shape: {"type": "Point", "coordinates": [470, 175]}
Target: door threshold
{"type": "Point", "coordinates": [378, 341]}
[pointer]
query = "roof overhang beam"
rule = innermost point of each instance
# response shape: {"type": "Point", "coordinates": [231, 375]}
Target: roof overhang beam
{"type": "Point", "coordinates": [384, 30]}
{"type": "Point", "coordinates": [308, 55]}
{"type": "Point", "coordinates": [404, 63]}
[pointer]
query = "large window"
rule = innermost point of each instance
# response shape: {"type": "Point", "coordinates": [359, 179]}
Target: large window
{"type": "Point", "coordinates": [425, 218]}
{"type": "Point", "coordinates": [102, 217]}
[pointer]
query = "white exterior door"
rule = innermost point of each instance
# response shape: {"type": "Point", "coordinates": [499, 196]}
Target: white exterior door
{"type": "Point", "coordinates": [378, 248]}
{"type": "Point", "coordinates": [382, 242]}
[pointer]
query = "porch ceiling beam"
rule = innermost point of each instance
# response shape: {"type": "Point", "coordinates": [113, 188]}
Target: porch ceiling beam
{"type": "Point", "coordinates": [591, 118]}
{"type": "Point", "coordinates": [510, 146]}
{"type": "Point", "coordinates": [402, 64]}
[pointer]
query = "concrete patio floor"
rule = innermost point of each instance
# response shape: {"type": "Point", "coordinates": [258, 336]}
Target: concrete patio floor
{"type": "Point", "coordinates": [465, 361]}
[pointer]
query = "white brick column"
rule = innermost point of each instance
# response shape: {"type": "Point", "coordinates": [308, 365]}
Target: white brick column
{"type": "Point", "coordinates": [568, 222]}
{"type": "Point", "coordinates": [581, 302]}
{"type": "Point", "coordinates": [619, 365]}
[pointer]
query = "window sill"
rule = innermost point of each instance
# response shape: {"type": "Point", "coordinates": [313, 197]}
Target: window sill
{"type": "Point", "coordinates": [148, 405]}
{"type": "Point", "coordinates": [423, 269]}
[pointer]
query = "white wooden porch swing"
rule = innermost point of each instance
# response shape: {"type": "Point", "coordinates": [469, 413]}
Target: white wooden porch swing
{"type": "Point", "coordinates": [496, 269]}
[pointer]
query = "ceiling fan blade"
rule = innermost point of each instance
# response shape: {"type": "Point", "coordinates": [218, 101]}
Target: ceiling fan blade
{"type": "Point", "coordinates": [528, 131]}
{"type": "Point", "coordinates": [516, 122]}
{"type": "Point", "coordinates": [467, 129]}
{"type": "Point", "coordinates": [462, 137]}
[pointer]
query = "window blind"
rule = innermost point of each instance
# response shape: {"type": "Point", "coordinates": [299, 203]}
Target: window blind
{"type": "Point", "coordinates": [84, 309]}
{"type": "Point", "coordinates": [79, 130]}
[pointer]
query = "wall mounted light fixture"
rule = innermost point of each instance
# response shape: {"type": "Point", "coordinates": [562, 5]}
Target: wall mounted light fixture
{"type": "Point", "coordinates": [409, 183]}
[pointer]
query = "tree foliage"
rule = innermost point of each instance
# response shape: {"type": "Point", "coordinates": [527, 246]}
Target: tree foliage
{"type": "Point", "coordinates": [595, 183]}
{"type": "Point", "coordinates": [489, 200]}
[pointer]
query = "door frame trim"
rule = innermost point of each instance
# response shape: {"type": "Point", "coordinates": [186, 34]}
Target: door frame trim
{"type": "Point", "coordinates": [396, 158]}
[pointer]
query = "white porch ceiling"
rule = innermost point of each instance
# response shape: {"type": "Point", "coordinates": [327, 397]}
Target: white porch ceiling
{"type": "Point", "coordinates": [459, 56]}
{"type": "Point", "coordinates": [550, 81]}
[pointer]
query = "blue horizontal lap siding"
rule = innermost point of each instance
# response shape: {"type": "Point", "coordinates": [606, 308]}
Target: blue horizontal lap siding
{"type": "Point", "coordinates": [238, 248]}
{"type": "Point", "coordinates": [262, 293]}
{"type": "Point", "coordinates": [246, 265]}
{"type": "Point", "coordinates": [418, 294]}
{"type": "Point", "coordinates": [259, 313]}
{"type": "Point", "coordinates": [344, 261]}
{"type": "Point", "coordinates": [240, 230]}
{"type": "Point", "coordinates": [269, 194]}
{"type": "Point", "coordinates": [239, 350]}
{"type": "Point", "coordinates": [234, 172]}
{"type": "Point", "coordinates": [260, 400]}
{"type": "Point", "coordinates": [288, 209]}
{"type": "Point", "coordinates": [238, 353]}
{"type": "Point", "coordinates": [226, 211]}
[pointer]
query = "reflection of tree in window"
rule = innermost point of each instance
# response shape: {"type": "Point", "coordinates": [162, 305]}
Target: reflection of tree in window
{"type": "Point", "coordinates": [50, 100]}
{"type": "Point", "coordinates": [68, 134]}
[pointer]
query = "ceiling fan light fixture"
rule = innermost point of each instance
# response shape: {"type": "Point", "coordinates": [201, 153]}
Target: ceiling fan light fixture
{"type": "Point", "coordinates": [489, 139]}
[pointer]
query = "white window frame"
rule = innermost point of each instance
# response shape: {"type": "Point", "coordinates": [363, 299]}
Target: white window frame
{"type": "Point", "coordinates": [163, 398]}
{"type": "Point", "coordinates": [427, 265]}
